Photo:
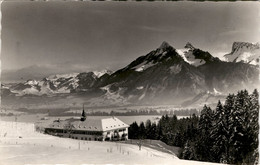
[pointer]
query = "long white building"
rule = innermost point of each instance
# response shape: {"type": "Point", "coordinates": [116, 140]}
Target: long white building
{"type": "Point", "coordinates": [110, 128]}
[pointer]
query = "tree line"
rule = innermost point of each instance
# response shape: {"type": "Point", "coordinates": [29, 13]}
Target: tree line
{"type": "Point", "coordinates": [227, 134]}
{"type": "Point", "coordinates": [180, 112]}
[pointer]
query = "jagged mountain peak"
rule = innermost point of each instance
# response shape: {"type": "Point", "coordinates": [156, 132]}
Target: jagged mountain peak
{"type": "Point", "coordinates": [189, 46]}
{"type": "Point", "coordinates": [164, 45]}
{"type": "Point", "coordinates": [164, 53]}
{"type": "Point", "coordinates": [244, 45]}
{"type": "Point", "coordinates": [245, 52]}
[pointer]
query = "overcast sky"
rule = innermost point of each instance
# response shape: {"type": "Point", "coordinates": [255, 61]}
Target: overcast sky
{"type": "Point", "coordinates": [94, 35]}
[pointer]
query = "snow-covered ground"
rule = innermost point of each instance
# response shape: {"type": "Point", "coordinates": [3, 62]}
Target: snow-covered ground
{"type": "Point", "coordinates": [25, 146]}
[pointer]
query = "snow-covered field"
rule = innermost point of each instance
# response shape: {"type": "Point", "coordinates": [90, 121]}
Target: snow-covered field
{"type": "Point", "coordinates": [20, 145]}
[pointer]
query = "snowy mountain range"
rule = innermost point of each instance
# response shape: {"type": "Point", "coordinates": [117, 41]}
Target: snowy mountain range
{"type": "Point", "coordinates": [164, 76]}
{"type": "Point", "coordinates": [60, 83]}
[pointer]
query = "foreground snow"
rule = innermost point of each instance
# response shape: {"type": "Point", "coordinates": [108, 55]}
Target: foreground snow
{"type": "Point", "coordinates": [36, 148]}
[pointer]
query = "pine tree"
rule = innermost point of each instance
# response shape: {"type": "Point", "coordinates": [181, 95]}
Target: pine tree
{"type": "Point", "coordinates": [239, 138]}
{"type": "Point", "coordinates": [204, 143]}
{"type": "Point", "coordinates": [219, 134]}
{"type": "Point", "coordinates": [148, 127]}
{"type": "Point", "coordinates": [153, 131]}
{"type": "Point", "coordinates": [142, 131]}
{"type": "Point", "coordinates": [254, 126]}
{"type": "Point", "coordinates": [133, 131]}
{"type": "Point", "coordinates": [254, 114]}
{"type": "Point", "coordinates": [188, 151]}
{"type": "Point", "coordinates": [228, 110]}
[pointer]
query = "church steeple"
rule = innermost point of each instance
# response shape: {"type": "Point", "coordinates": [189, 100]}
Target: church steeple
{"type": "Point", "coordinates": [83, 115]}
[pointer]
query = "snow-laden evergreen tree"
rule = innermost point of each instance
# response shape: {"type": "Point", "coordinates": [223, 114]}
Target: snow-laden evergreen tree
{"type": "Point", "coordinates": [228, 110]}
{"type": "Point", "coordinates": [219, 134]}
{"type": "Point", "coordinates": [204, 142]}
{"type": "Point", "coordinates": [188, 151]}
{"type": "Point", "coordinates": [254, 125]}
{"type": "Point", "coordinates": [240, 139]}
{"type": "Point", "coordinates": [254, 115]}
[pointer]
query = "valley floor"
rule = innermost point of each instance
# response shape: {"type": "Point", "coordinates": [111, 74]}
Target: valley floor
{"type": "Point", "coordinates": [20, 145]}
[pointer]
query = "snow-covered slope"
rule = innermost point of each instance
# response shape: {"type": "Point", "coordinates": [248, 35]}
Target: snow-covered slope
{"type": "Point", "coordinates": [102, 72]}
{"type": "Point", "coordinates": [153, 58]}
{"type": "Point", "coordinates": [194, 56]}
{"type": "Point", "coordinates": [244, 52]}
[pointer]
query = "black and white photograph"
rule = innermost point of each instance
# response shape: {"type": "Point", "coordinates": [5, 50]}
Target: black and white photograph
{"type": "Point", "coordinates": [133, 82]}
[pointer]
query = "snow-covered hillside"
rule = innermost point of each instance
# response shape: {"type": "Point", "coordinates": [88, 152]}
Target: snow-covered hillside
{"type": "Point", "coordinates": [20, 149]}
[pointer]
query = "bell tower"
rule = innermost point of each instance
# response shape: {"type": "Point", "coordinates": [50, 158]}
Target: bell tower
{"type": "Point", "coordinates": [83, 115]}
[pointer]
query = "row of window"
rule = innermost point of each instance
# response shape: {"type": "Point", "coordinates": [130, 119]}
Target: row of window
{"type": "Point", "coordinates": [83, 138]}
{"type": "Point", "coordinates": [48, 130]}
{"type": "Point", "coordinates": [87, 132]}
{"type": "Point", "coordinates": [79, 132]}
{"type": "Point", "coordinates": [120, 130]}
